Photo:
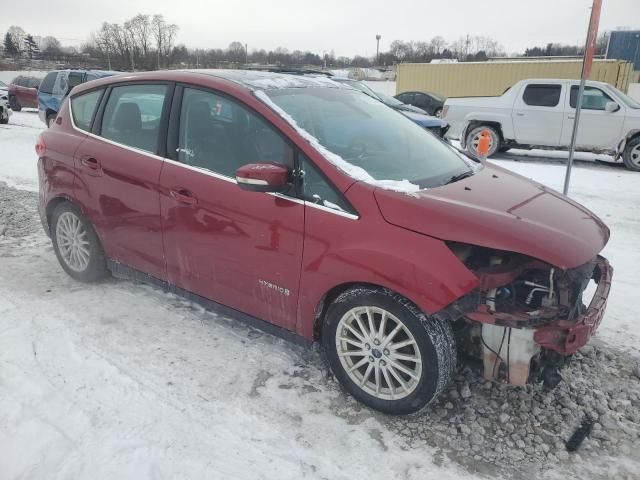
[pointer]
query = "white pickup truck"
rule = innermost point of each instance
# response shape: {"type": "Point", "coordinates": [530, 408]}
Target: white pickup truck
{"type": "Point", "coordinates": [539, 113]}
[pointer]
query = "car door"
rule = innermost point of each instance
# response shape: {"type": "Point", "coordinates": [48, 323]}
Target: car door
{"type": "Point", "coordinates": [118, 172]}
{"type": "Point", "coordinates": [424, 102]}
{"type": "Point", "coordinates": [598, 129]}
{"type": "Point", "coordinates": [538, 114]}
{"type": "Point", "coordinates": [241, 249]}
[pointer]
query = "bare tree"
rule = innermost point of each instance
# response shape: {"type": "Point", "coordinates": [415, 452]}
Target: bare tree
{"type": "Point", "coordinates": [18, 36]}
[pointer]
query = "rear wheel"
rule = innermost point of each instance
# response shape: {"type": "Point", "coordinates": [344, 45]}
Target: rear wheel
{"type": "Point", "coordinates": [473, 137]}
{"type": "Point", "coordinates": [386, 352]}
{"type": "Point", "coordinates": [76, 244]}
{"type": "Point", "coordinates": [631, 155]}
{"type": "Point", "coordinates": [14, 104]}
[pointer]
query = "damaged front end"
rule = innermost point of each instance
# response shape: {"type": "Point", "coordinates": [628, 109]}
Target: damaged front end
{"type": "Point", "coordinates": [526, 316]}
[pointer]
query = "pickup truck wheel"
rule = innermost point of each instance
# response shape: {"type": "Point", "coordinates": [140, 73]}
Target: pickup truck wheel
{"type": "Point", "coordinates": [473, 137]}
{"type": "Point", "coordinates": [385, 351]}
{"type": "Point", "coordinates": [631, 155]}
{"type": "Point", "coordinates": [13, 104]}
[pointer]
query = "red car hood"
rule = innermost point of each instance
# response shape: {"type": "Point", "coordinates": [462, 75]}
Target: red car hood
{"type": "Point", "coordinates": [499, 209]}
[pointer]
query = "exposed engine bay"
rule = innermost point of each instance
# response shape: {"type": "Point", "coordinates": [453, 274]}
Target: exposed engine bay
{"type": "Point", "coordinates": [526, 317]}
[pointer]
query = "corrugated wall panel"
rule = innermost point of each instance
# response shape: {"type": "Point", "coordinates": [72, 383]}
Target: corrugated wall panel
{"type": "Point", "coordinates": [493, 78]}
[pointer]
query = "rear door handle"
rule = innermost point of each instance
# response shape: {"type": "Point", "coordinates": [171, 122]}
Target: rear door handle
{"type": "Point", "coordinates": [93, 165]}
{"type": "Point", "coordinates": [183, 195]}
{"type": "Point", "coordinates": [571, 117]}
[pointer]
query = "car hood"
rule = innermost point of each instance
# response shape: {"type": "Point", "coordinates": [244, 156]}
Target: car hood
{"type": "Point", "coordinates": [423, 120]}
{"type": "Point", "coordinates": [498, 209]}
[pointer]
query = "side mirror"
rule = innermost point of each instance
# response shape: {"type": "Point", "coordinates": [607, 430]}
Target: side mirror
{"type": "Point", "coordinates": [611, 107]}
{"type": "Point", "coordinates": [263, 177]}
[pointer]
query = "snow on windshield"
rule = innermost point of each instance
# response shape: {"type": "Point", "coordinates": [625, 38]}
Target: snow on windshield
{"type": "Point", "coordinates": [357, 173]}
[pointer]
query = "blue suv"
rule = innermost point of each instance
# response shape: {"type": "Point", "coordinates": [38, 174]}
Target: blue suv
{"type": "Point", "coordinates": [57, 85]}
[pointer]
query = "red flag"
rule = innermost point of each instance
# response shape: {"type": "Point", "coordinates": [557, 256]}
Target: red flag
{"type": "Point", "coordinates": [592, 37]}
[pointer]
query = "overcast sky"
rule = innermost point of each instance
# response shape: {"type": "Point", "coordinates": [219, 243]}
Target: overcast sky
{"type": "Point", "coordinates": [346, 26]}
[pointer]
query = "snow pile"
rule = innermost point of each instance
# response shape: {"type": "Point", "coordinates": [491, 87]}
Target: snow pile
{"type": "Point", "coordinates": [293, 81]}
{"type": "Point", "coordinates": [355, 172]}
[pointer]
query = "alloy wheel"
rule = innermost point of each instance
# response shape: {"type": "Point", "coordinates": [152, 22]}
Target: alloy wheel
{"type": "Point", "coordinates": [634, 155]}
{"type": "Point", "coordinates": [73, 242]}
{"type": "Point", "coordinates": [378, 352]}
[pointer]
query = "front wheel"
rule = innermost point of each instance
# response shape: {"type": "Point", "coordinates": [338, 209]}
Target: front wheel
{"type": "Point", "coordinates": [4, 116]}
{"type": "Point", "coordinates": [76, 244]}
{"type": "Point", "coordinates": [473, 138]}
{"type": "Point", "coordinates": [13, 104]}
{"type": "Point", "coordinates": [438, 112]}
{"type": "Point", "coordinates": [386, 352]}
{"type": "Point", "coordinates": [631, 155]}
{"type": "Point", "coordinates": [50, 119]}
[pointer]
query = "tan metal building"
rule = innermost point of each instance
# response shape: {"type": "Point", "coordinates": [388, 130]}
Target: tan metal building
{"type": "Point", "coordinates": [474, 79]}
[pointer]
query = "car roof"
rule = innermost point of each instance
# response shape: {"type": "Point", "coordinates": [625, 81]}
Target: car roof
{"type": "Point", "coordinates": [261, 80]}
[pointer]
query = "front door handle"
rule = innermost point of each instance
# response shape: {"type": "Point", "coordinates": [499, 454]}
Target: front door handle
{"type": "Point", "coordinates": [520, 114]}
{"type": "Point", "coordinates": [183, 195]}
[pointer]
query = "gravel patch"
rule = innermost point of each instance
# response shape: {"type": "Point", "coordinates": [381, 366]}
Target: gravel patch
{"type": "Point", "coordinates": [18, 212]}
{"type": "Point", "coordinates": [491, 428]}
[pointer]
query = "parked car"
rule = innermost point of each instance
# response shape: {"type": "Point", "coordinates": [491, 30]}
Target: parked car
{"type": "Point", "coordinates": [238, 190]}
{"type": "Point", "coordinates": [430, 102]}
{"type": "Point", "coordinates": [539, 114]}
{"type": "Point", "coordinates": [57, 84]}
{"type": "Point", "coordinates": [435, 125]}
{"type": "Point", "coordinates": [23, 92]}
{"type": "Point", "coordinates": [4, 109]}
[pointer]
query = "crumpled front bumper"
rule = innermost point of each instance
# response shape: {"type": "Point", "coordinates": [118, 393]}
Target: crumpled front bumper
{"type": "Point", "coordinates": [566, 337]}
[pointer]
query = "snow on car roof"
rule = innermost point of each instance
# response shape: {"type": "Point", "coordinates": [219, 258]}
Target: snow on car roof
{"type": "Point", "coordinates": [260, 80]}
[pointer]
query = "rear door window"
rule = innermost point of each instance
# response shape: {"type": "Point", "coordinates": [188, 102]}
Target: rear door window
{"type": "Point", "coordinates": [83, 108]}
{"type": "Point", "coordinates": [542, 95]}
{"type": "Point", "coordinates": [47, 84]}
{"type": "Point", "coordinates": [132, 115]}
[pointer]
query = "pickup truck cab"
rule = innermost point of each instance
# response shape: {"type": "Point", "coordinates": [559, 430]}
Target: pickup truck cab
{"type": "Point", "coordinates": [539, 113]}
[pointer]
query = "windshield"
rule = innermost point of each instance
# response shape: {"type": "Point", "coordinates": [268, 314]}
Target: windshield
{"type": "Point", "coordinates": [628, 101]}
{"type": "Point", "coordinates": [367, 134]}
{"type": "Point", "coordinates": [389, 100]}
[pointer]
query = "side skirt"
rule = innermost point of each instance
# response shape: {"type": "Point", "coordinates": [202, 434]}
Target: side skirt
{"type": "Point", "coordinates": [125, 272]}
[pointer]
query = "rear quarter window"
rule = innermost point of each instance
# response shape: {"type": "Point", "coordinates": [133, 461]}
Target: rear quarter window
{"type": "Point", "coordinates": [542, 95]}
{"type": "Point", "coordinates": [83, 108]}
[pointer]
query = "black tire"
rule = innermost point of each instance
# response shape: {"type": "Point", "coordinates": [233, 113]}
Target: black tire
{"type": "Point", "coordinates": [434, 339]}
{"type": "Point", "coordinates": [631, 155]}
{"type": "Point", "coordinates": [50, 119]}
{"type": "Point", "coordinates": [4, 116]}
{"type": "Point", "coordinates": [495, 139]}
{"type": "Point", "coordinates": [14, 104]}
{"type": "Point", "coordinates": [437, 112]}
{"type": "Point", "coordinates": [96, 267]}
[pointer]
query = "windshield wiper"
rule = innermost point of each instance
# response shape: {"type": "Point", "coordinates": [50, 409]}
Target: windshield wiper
{"type": "Point", "coordinates": [459, 176]}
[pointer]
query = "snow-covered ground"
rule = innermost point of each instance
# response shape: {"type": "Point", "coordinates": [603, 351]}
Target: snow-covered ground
{"type": "Point", "coordinates": [121, 380]}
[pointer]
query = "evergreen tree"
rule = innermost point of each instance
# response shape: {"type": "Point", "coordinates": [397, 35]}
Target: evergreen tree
{"type": "Point", "coordinates": [31, 47]}
{"type": "Point", "coordinates": [10, 48]}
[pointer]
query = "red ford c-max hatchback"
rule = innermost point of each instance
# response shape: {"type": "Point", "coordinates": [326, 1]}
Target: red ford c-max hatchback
{"type": "Point", "coordinates": [320, 211]}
